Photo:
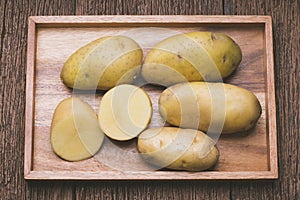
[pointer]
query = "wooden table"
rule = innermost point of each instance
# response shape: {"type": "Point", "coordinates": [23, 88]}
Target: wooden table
{"type": "Point", "coordinates": [13, 40]}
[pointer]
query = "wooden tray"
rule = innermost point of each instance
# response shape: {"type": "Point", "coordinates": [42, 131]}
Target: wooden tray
{"type": "Point", "coordinates": [251, 155]}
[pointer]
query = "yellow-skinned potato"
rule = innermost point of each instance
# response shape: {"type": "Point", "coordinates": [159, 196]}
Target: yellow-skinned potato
{"type": "Point", "coordinates": [178, 149]}
{"type": "Point", "coordinates": [194, 56]}
{"type": "Point", "coordinates": [102, 64]}
{"type": "Point", "coordinates": [75, 134]}
{"type": "Point", "coordinates": [210, 107]}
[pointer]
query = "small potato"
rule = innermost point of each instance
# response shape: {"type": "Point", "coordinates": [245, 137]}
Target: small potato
{"type": "Point", "coordinates": [75, 134]}
{"type": "Point", "coordinates": [210, 107]}
{"type": "Point", "coordinates": [194, 56]}
{"type": "Point", "coordinates": [103, 63]}
{"type": "Point", "coordinates": [124, 112]}
{"type": "Point", "coordinates": [178, 149]}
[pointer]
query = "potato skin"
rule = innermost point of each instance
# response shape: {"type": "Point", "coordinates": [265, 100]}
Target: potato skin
{"type": "Point", "coordinates": [194, 56]}
{"type": "Point", "coordinates": [163, 147]}
{"type": "Point", "coordinates": [102, 64]}
{"type": "Point", "coordinates": [190, 105]}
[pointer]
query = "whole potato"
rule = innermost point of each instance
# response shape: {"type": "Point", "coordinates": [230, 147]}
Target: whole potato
{"type": "Point", "coordinates": [210, 107]}
{"type": "Point", "coordinates": [103, 63]}
{"type": "Point", "coordinates": [194, 56]}
{"type": "Point", "coordinates": [178, 149]}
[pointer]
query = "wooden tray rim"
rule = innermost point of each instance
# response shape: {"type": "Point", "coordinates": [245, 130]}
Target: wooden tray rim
{"type": "Point", "coordinates": [35, 22]}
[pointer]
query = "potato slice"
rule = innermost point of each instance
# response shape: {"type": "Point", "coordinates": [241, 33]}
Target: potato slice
{"type": "Point", "coordinates": [124, 112]}
{"type": "Point", "coordinates": [75, 133]}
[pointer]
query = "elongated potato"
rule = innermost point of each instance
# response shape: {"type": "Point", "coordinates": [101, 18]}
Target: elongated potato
{"type": "Point", "coordinates": [75, 133]}
{"type": "Point", "coordinates": [210, 107]}
{"type": "Point", "coordinates": [179, 149]}
{"type": "Point", "coordinates": [194, 56]}
{"type": "Point", "coordinates": [124, 112]}
{"type": "Point", "coordinates": [103, 63]}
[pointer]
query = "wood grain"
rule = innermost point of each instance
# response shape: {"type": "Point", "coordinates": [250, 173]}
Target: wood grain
{"type": "Point", "coordinates": [39, 190]}
{"type": "Point", "coordinates": [287, 84]}
{"type": "Point", "coordinates": [55, 44]}
{"type": "Point", "coordinates": [13, 30]}
{"type": "Point", "coordinates": [12, 84]}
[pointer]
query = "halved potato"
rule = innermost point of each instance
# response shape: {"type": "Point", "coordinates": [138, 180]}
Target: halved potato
{"type": "Point", "coordinates": [75, 133]}
{"type": "Point", "coordinates": [124, 112]}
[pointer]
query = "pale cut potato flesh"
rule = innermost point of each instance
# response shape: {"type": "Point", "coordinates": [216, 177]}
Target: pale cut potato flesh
{"type": "Point", "coordinates": [75, 133]}
{"type": "Point", "coordinates": [124, 112]}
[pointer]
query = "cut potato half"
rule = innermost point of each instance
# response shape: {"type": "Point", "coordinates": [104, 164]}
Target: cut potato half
{"type": "Point", "coordinates": [75, 133]}
{"type": "Point", "coordinates": [124, 112]}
